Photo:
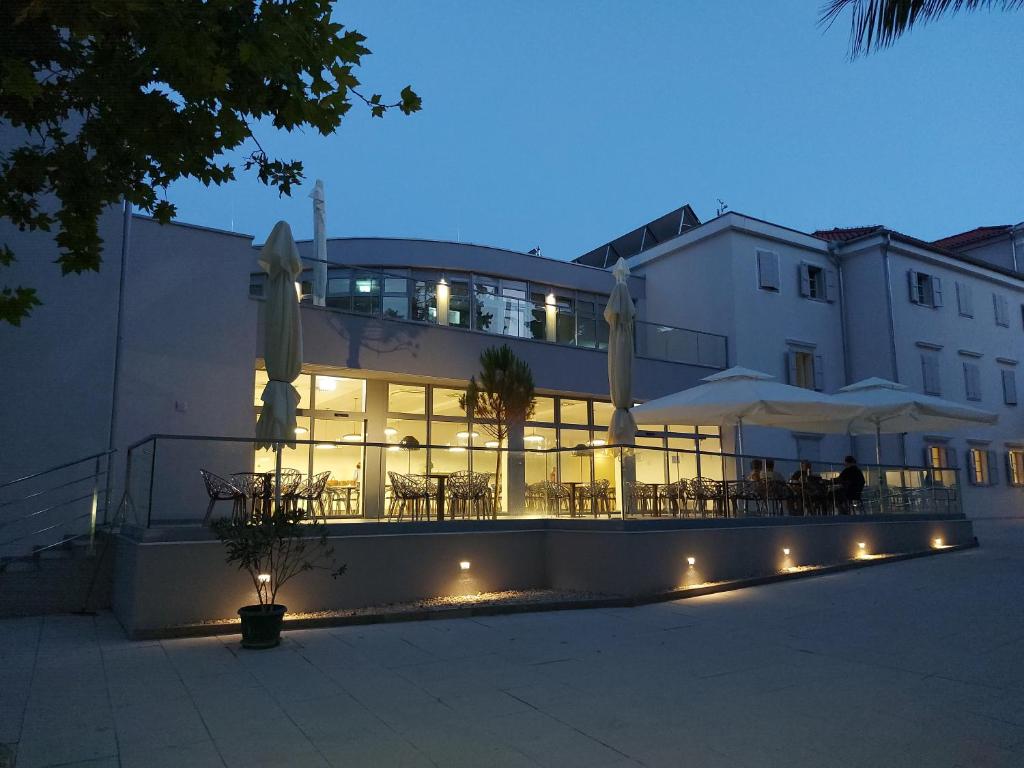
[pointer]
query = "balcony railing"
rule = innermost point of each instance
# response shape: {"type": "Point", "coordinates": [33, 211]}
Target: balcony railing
{"type": "Point", "coordinates": [385, 482]}
{"type": "Point", "coordinates": [472, 303]}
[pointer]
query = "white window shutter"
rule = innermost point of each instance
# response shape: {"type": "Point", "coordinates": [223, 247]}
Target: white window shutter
{"type": "Point", "coordinates": [1009, 387]}
{"type": "Point", "coordinates": [936, 291]}
{"type": "Point", "coordinates": [972, 478]}
{"type": "Point", "coordinates": [971, 381]}
{"type": "Point", "coordinates": [1004, 312]}
{"type": "Point", "coordinates": [791, 375]}
{"type": "Point", "coordinates": [993, 468]}
{"type": "Point", "coordinates": [915, 291]}
{"type": "Point", "coordinates": [976, 380]}
{"type": "Point", "coordinates": [830, 285]}
{"type": "Point", "coordinates": [805, 280]}
{"type": "Point", "coordinates": [930, 375]}
{"type": "Point", "coordinates": [964, 300]}
{"type": "Point", "coordinates": [768, 270]}
{"type": "Point", "coordinates": [1009, 469]}
{"type": "Point", "coordinates": [819, 373]}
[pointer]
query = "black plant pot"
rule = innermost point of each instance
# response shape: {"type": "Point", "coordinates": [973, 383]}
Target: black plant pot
{"type": "Point", "coordinates": [261, 625]}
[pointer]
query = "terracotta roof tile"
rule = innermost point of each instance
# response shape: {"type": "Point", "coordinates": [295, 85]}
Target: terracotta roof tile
{"type": "Point", "coordinates": [840, 234]}
{"type": "Point", "coordinates": [971, 236]}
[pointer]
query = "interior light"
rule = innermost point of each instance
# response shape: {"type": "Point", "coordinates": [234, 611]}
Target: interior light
{"type": "Point", "coordinates": [549, 299]}
{"type": "Point", "coordinates": [464, 565]}
{"type": "Point", "coordinates": [298, 291]}
{"type": "Point", "coordinates": [598, 442]}
{"type": "Point", "coordinates": [326, 383]}
{"type": "Point", "coordinates": [263, 578]}
{"type": "Point", "coordinates": [394, 448]}
{"type": "Point", "coordinates": [352, 437]}
{"type": "Point", "coordinates": [691, 561]}
{"type": "Point", "coordinates": [325, 446]}
{"type": "Point", "coordinates": [491, 444]}
{"type": "Point", "coordinates": [457, 449]}
{"type": "Point", "coordinates": [301, 430]}
{"type": "Point", "coordinates": [534, 438]}
{"type": "Point", "coordinates": [466, 435]}
{"type": "Point", "coordinates": [390, 431]}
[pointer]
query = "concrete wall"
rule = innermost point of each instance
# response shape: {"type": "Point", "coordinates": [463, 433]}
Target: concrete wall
{"type": "Point", "coordinates": [161, 582]}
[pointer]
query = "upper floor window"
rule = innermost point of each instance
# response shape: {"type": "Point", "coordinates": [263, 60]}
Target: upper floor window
{"type": "Point", "coordinates": [817, 282]}
{"type": "Point", "coordinates": [1001, 309]}
{"type": "Point", "coordinates": [1015, 466]}
{"type": "Point", "coordinates": [1009, 386]}
{"type": "Point", "coordinates": [925, 289]}
{"type": "Point", "coordinates": [964, 300]}
{"type": "Point", "coordinates": [805, 369]}
{"type": "Point", "coordinates": [972, 381]}
{"type": "Point", "coordinates": [931, 380]}
{"type": "Point", "coordinates": [941, 459]}
{"type": "Point", "coordinates": [981, 467]}
{"type": "Point", "coordinates": [768, 270]}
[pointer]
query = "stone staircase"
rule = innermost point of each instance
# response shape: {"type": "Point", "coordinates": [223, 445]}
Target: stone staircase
{"type": "Point", "coordinates": [61, 579]}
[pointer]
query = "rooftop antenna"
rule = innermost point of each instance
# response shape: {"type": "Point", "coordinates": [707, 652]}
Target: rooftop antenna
{"type": "Point", "coordinates": [722, 207]}
{"type": "Point", "coordinates": [535, 251]}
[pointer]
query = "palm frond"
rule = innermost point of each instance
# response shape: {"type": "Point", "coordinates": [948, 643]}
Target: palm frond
{"type": "Point", "coordinates": [877, 24]}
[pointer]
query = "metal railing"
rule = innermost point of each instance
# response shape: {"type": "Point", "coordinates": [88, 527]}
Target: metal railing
{"type": "Point", "coordinates": [462, 303]}
{"type": "Point", "coordinates": [164, 485]}
{"type": "Point", "coordinates": [50, 508]}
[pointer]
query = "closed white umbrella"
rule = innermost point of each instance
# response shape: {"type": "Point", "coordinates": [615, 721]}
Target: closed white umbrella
{"type": "Point", "coordinates": [891, 408]}
{"type": "Point", "coordinates": [739, 396]}
{"type": "Point", "coordinates": [619, 314]}
{"type": "Point", "coordinates": [282, 346]}
{"type": "Point", "coordinates": [319, 244]}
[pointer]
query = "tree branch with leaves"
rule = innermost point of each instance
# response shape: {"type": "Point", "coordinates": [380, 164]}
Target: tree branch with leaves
{"type": "Point", "coordinates": [113, 100]}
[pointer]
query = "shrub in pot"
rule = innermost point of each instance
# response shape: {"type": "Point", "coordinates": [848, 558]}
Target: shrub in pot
{"type": "Point", "coordinates": [273, 548]}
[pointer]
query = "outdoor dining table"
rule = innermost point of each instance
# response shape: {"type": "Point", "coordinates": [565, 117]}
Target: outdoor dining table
{"type": "Point", "coordinates": [442, 479]}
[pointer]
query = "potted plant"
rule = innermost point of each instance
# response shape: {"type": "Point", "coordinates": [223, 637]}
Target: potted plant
{"type": "Point", "coordinates": [273, 548]}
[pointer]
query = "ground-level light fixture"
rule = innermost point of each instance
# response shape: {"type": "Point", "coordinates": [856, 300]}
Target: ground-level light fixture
{"type": "Point", "coordinates": [937, 543]}
{"type": "Point", "coordinates": [464, 565]}
{"type": "Point", "coordinates": [785, 551]}
{"type": "Point", "coordinates": [691, 561]}
{"type": "Point", "coordinates": [263, 578]}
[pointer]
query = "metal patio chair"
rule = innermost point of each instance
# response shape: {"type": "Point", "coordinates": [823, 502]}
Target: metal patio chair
{"type": "Point", "coordinates": [594, 497]}
{"type": "Point", "coordinates": [220, 489]}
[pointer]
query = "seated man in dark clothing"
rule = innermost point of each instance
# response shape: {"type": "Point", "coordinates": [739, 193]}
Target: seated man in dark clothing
{"type": "Point", "coordinates": [849, 485]}
{"type": "Point", "coordinates": [800, 504]}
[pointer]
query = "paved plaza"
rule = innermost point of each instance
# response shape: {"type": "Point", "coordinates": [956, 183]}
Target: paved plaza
{"type": "Point", "coordinates": [916, 663]}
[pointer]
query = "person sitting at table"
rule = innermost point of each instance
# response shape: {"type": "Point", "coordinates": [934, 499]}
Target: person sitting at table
{"type": "Point", "coordinates": [770, 475]}
{"type": "Point", "coordinates": [809, 488]}
{"type": "Point", "coordinates": [849, 486]}
{"type": "Point", "coordinates": [756, 471]}
{"type": "Point", "coordinates": [804, 473]}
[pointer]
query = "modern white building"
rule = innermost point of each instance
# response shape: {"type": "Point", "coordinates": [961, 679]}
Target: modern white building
{"type": "Point", "coordinates": [165, 341]}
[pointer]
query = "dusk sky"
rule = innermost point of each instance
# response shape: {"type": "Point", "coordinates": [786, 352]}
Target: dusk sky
{"type": "Point", "coordinates": [565, 124]}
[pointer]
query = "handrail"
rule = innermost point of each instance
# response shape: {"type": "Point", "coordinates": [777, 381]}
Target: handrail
{"type": "Point", "coordinates": [59, 466]}
{"type": "Point", "coordinates": [563, 449]}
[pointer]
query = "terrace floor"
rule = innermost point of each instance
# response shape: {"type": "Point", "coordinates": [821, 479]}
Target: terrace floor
{"type": "Point", "coordinates": [905, 664]}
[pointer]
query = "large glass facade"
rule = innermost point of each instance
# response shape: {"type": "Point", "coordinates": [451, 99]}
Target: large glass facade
{"type": "Point", "coordinates": [427, 432]}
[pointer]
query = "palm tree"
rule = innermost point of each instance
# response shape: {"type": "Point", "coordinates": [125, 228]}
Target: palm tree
{"type": "Point", "coordinates": [503, 396]}
{"type": "Point", "coordinates": [876, 24]}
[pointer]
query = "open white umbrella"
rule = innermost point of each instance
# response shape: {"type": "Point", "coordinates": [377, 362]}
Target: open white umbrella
{"type": "Point", "coordinates": [619, 314]}
{"type": "Point", "coordinates": [282, 346]}
{"type": "Point", "coordinates": [319, 245]}
{"type": "Point", "coordinates": [891, 408]}
{"type": "Point", "coordinates": [739, 396]}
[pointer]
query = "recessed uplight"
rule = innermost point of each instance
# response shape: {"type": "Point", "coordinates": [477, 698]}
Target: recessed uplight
{"type": "Point", "coordinates": [263, 578]}
{"type": "Point", "coordinates": [785, 551]}
{"type": "Point", "coordinates": [691, 561]}
{"type": "Point", "coordinates": [938, 543]}
{"type": "Point", "coordinates": [464, 565]}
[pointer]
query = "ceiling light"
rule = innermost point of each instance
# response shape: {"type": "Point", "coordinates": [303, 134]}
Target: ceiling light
{"type": "Point", "coordinates": [352, 437]}
{"type": "Point", "coordinates": [301, 430]}
{"type": "Point", "coordinates": [390, 431]}
{"type": "Point", "coordinates": [326, 383]}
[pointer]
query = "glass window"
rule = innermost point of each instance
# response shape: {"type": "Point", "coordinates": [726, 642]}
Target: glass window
{"type": "Point", "coordinates": [366, 293]}
{"type": "Point", "coordinates": [407, 398]}
{"type": "Point", "coordinates": [446, 402]}
{"type": "Point", "coordinates": [603, 413]}
{"type": "Point", "coordinates": [682, 429]}
{"type": "Point", "coordinates": [458, 302]}
{"type": "Point", "coordinates": [682, 459]}
{"type": "Point", "coordinates": [541, 464]}
{"type": "Point", "coordinates": [453, 439]}
{"type": "Point", "coordinates": [535, 438]}
{"type": "Point", "coordinates": [489, 306]}
{"type": "Point", "coordinates": [544, 410]}
{"type": "Point", "coordinates": [586, 324]}
{"type": "Point", "coordinates": [296, 458]}
{"type": "Point", "coordinates": [650, 464]}
{"type": "Point", "coordinates": [408, 454]}
{"type": "Point", "coordinates": [1015, 460]}
{"type": "Point", "coordinates": [573, 412]}
{"type": "Point", "coordinates": [979, 466]}
{"type": "Point", "coordinates": [337, 393]}
{"type": "Point", "coordinates": [261, 383]}
{"type": "Point", "coordinates": [424, 300]}
{"type": "Point", "coordinates": [576, 463]}
{"type": "Point", "coordinates": [565, 319]}
{"type": "Point", "coordinates": [395, 303]}
{"type": "Point", "coordinates": [537, 322]}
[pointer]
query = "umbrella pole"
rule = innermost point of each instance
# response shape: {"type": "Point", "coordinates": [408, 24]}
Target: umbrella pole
{"type": "Point", "coordinates": [277, 484]}
{"type": "Point", "coordinates": [739, 449]}
{"type": "Point", "coordinates": [882, 492]}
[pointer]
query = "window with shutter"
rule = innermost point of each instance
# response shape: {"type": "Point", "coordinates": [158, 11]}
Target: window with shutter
{"type": "Point", "coordinates": [972, 381]}
{"type": "Point", "coordinates": [993, 467]}
{"type": "Point", "coordinates": [768, 270]}
{"type": "Point", "coordinates": [932, 384]}
{"type": "Point", "coordinates": [977, 466]}
{"type": "Point", "coordinates": [1001, 309]}
{"type": "Point", "coordinates": [819, 373]}
{"type": "Point", "coordinates": [936, 291]}
{"type": "Point", "coordinates": [802, 368]}
{"type": "Point", "coordinates": [964, 300]}
{"type": "Point", "coordinates": [1009, 387]}
{"type": "Point", "coordinates": [1015, 466]}
{"type": "Point", "coordinates": [805, 280]}
{"type": "Point", "coordinates": [831, 291]}
{"type": "Point", "coordinates": [915, 287]}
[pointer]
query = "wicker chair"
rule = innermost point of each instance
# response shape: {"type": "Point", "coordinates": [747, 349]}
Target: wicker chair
{"type": "Point", "coordinates": [747, 492]}
{"type": "Point", "coordinates": [704, 490]}
{"type": "Point", "coordinates": [594, 497]}
{"type": "Point", "coordinates": [220, 489]}
{"type": "Point", "coordinates": [312, 492]}
{"type": "Point", "coordinates": [777, 494]}
{"type": "Point", "coordinates": [640, 498]}
{"type": "Point", "coordinates": [674, 496]}
{"type": "Point", "coordinates": [410, 494]}
{"type": "Point", "coordinates": [469, 493]}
